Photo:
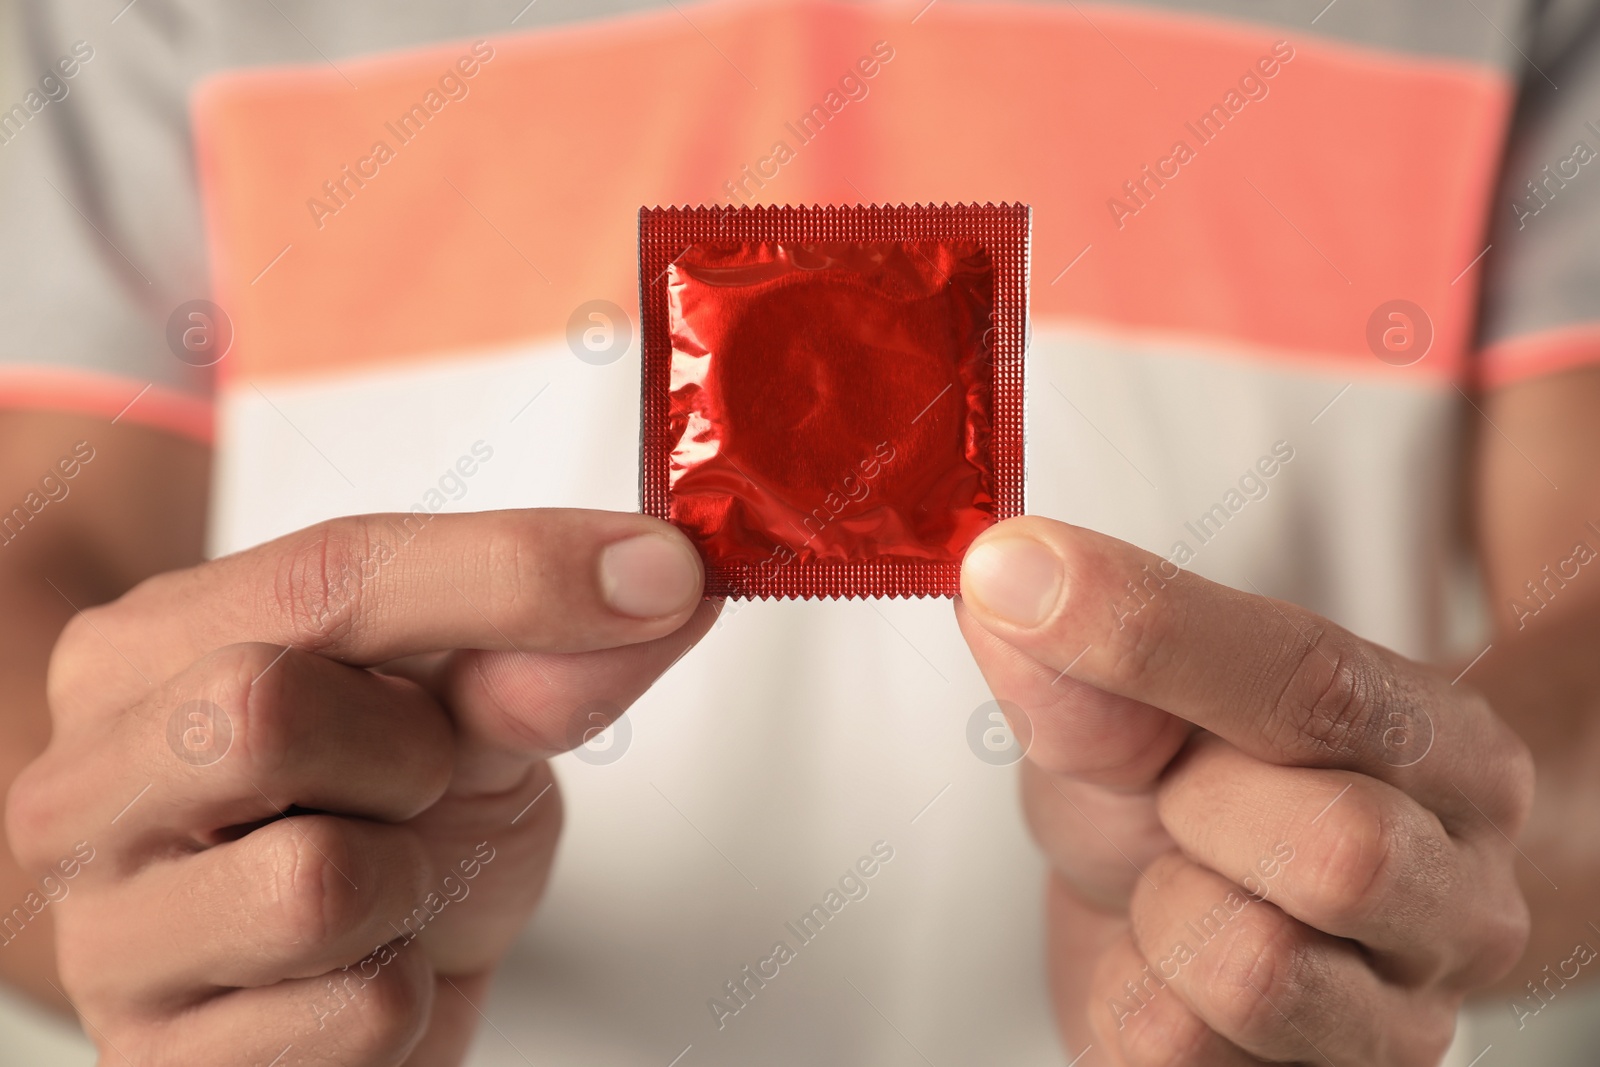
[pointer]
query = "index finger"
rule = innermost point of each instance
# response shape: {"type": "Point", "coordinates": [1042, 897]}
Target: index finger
{"type": "Point", "coordinates": [1277, 681]}
{"type": "Point", "coordinates": [369, 589]}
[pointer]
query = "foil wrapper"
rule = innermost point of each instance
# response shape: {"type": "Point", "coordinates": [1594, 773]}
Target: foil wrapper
{"type": "Point", "coordinates": [833, 396]}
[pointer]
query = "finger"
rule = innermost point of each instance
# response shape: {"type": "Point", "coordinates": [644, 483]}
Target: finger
{"type": "Point", "coordinates": [513, 707]}
{"type": "Point", "coordinates": [1068, 726]}
{"type": "Point", "coordinates": [245, 734]}
{"type": "Point", "coordinates": [509, 709]}
{"type": "Point", "coordinates": [1350, 856]}
{"type": "Point", "coordinates": [1273, 986]}
{"type": "Point", "coordinates": [1097, 840]}
{"type": "Point", "coordinates": [1146, 1025]}
{"type": "Point", "coordinates": [293, 899]}
{"type": "Point", "coordinates": [456, 1018]}
{"type": "Point", "coordinates": [1078, 935]}
{"type": "Point", "coordinates": [371, 589]}
{"type": "Point", "coordinates": [491, 859]}
{"type": "Point", "coordinates": [372, 1014]}
{"type": "Point", "coordinates": [1274, 679]}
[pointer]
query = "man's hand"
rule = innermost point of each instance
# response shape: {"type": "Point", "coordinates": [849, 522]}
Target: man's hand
{"type": "Point", "coordinates": [266, 847]}
{"type": "Point", "coordinates": [1271, 840]}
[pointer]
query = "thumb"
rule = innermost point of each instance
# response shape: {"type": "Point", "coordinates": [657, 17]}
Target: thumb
{"type": "Point", "coordinates": [1013, 571]}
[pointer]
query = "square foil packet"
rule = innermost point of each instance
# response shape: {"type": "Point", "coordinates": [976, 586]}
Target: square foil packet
{"type": "Point", "coordinates": [833, 396]}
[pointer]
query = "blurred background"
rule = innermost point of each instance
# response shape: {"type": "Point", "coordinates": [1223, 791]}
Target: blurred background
{"type": "Point", "coordinates": [27, 1036]}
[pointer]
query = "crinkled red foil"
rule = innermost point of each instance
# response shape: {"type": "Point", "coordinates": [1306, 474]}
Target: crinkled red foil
{"type": "Point", "coordinates": [832, 396]}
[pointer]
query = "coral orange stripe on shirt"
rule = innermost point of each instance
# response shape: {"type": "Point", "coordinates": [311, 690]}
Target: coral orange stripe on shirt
{"type": "Point", "coordinates": [1342, 179]}
{"type": "Point", "coordinates": [110, 396]}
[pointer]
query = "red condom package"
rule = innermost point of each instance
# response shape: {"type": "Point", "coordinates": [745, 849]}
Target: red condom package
{"type": "Point", "coordinates": [833, 396]}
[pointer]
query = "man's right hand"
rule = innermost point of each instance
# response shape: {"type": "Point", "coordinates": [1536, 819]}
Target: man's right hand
{"type": "Point", "coordinates": [295, 804]}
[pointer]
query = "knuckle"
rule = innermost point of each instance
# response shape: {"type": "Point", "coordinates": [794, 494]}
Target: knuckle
{"type": "Point", "coordinates": [1165, 1034]}
{"type": "Point", "coordinates": [1043, 815]}
{"type": "Point", "coordinates": [1432, 1034]}
{"type": "Point", "coordinates": [1108, 1012]}
{"type": "Point", "coordinates": [1523, 774]}
{"type": "Point", "coordinates": [395, 1004]}
{"type": "Point", "coordinates": [1062, 816]}
{"type": "Point", "coordinates": [1260, 980]}
{"type": "Point", "coordinates": [1501, 937]}
{"type": "Point", "coordinates": [84, 934]}
{"type": "Point", "coordinates": [1328, 708]}
{"type": "Point", "coordinates": [309, 900]}
{"type": "Point", "coordinates": [248, 681]}
{"type": "Point", "coordinates": [71, 675]}
{"type": "Point", "coordinates": [82, 977]}
{"type": "Point", "coordinates": [428, 760]}
{"type": "Point", "coordinates": [116, 1039]}
{"type": "Point", "coordinates": [31, 817]}
{"type": "Point", "coordinates": [1352, 870]}
{"type": "Point", "coordinates": [317, 588]}
{"type": "Point", "coordinates": [1514, 780]}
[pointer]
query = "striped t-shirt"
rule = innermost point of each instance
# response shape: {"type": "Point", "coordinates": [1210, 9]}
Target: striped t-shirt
{"type": "Point", "coordinates": [1278, 245]}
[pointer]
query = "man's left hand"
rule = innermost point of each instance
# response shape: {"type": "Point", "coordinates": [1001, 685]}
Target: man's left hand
{"type": "Point", "coordinates": [1271, 840]}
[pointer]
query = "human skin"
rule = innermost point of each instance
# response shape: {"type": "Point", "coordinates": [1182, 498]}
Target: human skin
{"type": "Point", "coordinates": [1111, 784]}
{"type": "Point", "coordinates": [390, 703]}
{"type": "Point", "coordinates": [1251, 736]}
{"type": "Point", "coordinates": [1180, 752]}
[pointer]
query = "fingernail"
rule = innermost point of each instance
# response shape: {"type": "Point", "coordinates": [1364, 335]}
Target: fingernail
{"type": "Point", "coordinates": [649, 576]}
{"type": "Point", "coordinates": [1017, 578]}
